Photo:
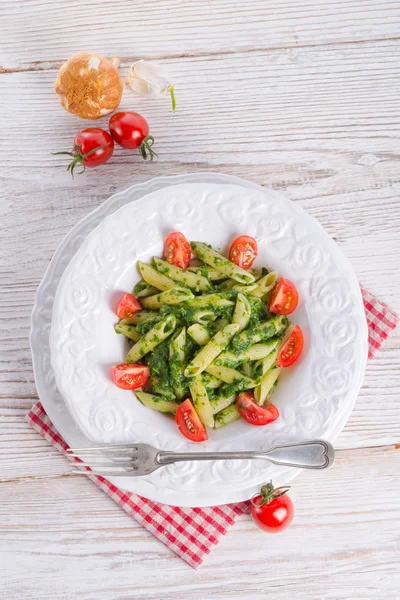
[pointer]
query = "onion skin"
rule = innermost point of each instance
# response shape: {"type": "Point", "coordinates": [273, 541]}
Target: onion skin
{"type": "Point", "coordinates": [89, 85]}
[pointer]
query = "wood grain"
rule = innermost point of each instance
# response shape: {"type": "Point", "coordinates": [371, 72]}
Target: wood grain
{"type": "Point", "coordinates": [170, 28]}
{"type": "Point", "coordinates": [302, 97]}
{"type": "Point", "coordinates": [86, 538]}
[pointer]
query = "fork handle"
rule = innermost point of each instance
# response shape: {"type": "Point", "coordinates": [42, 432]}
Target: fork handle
{"type": "Point", "coordinates": [316, 454]}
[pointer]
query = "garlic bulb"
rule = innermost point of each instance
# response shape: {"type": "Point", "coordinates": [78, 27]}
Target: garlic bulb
{"type": "Point", "coordinates": [147, 78]}
{"type": "Point", "coordinates": [89, 85]}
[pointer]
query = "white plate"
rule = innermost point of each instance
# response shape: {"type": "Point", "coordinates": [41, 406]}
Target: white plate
{"type": "Point", "coordinates": [315, 398]}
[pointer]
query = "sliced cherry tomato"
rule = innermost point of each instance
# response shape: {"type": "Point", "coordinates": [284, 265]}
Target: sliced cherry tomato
{"type": "Point", "coordinates": [243, 251]}
{"type": "Point", "coordinates": [253, 413]}
{"type": "Point", "coordinates": [285, 298]}
{"type": "Point", "coordinates": [177, 250]}
{"type": "Point", "coordinates": [92, 147]}
{"type": "Point", "coordinates": [291, 349]}
{"type": "Point", "coordinates": [128, 306]}
{"type": "Point", "coordinates": [130, 376]}
{"type": "Point", "coordinates": [130, 130]}
{"type": "Point", "coordinates": [189, 423]}
{"type": "Point", "coordinates": [272, 510]}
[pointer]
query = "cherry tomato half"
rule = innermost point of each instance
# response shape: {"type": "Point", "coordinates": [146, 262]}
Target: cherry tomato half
{"type": "Point", "coordinates": [272, 510]}
{"type": "Point", "coordinates": [189, 423]}
{"type": "Point", "coordinates": [130, 376]}
{"type": "Point", "coordinates": [128, 306]}
{"type": "Point", "coordinates": [285, 298]}
{"type": "Point", "coordinates": [291, 349]}
{"type": "Point", "coordinates": [130, 130]}
{"type": "Point", "coordinates": [177, 250]}
{"type": "Point", "coordinates": [92, 147]}
{"type": "Point", "coordinates": [253, 413]}
{"type": "Point", "coordinates": [243, 251]}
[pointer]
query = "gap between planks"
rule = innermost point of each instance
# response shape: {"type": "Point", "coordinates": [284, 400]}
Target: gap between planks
{"type": "Point", "coordinates": [55, 64]}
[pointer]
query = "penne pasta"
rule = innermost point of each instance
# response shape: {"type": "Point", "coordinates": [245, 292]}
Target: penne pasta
{"type": "Point", "coordinates": [210, 382]}
{"type": "Point", "coordinates": [206, 271]}
{"type": "Point", "coordinates": [255, 352]}
{"type": "Point", "coordinates": [264, 285]}
{"type": "Point", "coordinates": [203, 335]}
{"type": "Point", "coordinates": [210, 351]}
{"type": "Point", "coordinates": [244, 289]}
{"type": "Point", "coordinates": [263, 389]}
{"type": "Point", "coordinates": [142, 316]}
{"type": "Point", "coordinates": [262, 366]}
{"type": "Point", "coordinates": [228, 375]}
{"type": "Point", "coordinates": [128, 331]}
{"type": "Point", "coordinates": [242, 312]}
{"type": "Point", "coordinates": [174, 296]}
{"type": "Point", "coordinates": [192, 280]}
{"type": "Point", "coordinates": [226, 416]}
{"type": "Point", "coordinates": [204, 317]}
{"type": "Point", "coordinates": [215, 300]}
{"type": "Point", "coordinates": [177, 362]}
{"type": "Point", "coordinates": [143, 289]}
{"type": "Point", "coordinates": [157, 402]}
{"type": "Point", "coordinates": [220, 402]}
{"type": "Point", "coordinates": [262, 332]}
{"type": "Point", "coordinates": [161, 331]}
{"type": "Point", "coordinates": [201, 402]}
{"type": "Point", "coordinates": [247, 369]}
{"type": "Point", "coordinates": [199, 334]}
{"type": "Point", "coordinates": [156, 279]}
{"type": "Point", "coordinates": [220, 263]}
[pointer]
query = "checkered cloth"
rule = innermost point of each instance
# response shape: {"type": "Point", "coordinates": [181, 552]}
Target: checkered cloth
{"type": "Point", "coordinates": [193, 532]}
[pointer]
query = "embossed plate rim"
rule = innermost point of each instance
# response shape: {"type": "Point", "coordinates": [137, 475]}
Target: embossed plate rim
{"type": "Point", "coordinates": [58, 418]}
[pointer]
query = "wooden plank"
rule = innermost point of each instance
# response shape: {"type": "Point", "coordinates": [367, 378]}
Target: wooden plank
{"type": "Point", "coordinates": [169, 28]}
{"type": "Point", "coordinates": [349, 187]}
{"type": "Point", "coordinates": [345, 535]}
{"type": "Point", "coordinates": [294, 96]}
{"type": "Point", "coordinates": [317, 110]}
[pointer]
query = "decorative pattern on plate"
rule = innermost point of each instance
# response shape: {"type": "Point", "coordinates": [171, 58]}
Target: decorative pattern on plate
{"type": "Point", "coordinates": [83, 342]}
{"type": "Point", "coordinates": [279, 219]}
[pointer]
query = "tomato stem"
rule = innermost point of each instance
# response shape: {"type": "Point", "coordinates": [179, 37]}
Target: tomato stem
{"type": "Point", "coordinates": [269, 493]}
{"type": "Point", "coordinates": [145, 148]}
{"type": "Point", "coordinates": [78, 157]}
{"type": "Point", "coordinates": [171, 90]}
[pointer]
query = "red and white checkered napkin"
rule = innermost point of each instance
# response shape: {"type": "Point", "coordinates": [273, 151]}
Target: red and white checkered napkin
{"type": "Point", "coordinates": [193, 532]}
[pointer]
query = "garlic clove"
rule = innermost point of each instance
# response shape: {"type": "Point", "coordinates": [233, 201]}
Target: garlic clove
{"type": "Point", "coordinates": [147, 78]}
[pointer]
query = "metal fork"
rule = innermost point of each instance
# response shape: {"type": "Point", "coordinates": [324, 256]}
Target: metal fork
{"type": "Point", "coordinates": [134, 460]}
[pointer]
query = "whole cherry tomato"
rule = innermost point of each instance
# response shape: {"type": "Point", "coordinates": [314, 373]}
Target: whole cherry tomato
{"type": "Point", "coordinates": [272, 510]}
{"type": "Point", "coordinates": [130, 130]}
{"type": "Point", "coordinates": [92, 147]}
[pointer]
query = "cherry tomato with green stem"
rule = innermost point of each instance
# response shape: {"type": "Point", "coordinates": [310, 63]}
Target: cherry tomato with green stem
{"type": "Point", "coordinates": [92, 147]}
{"type": "Point", "coordinates": [130, 130]}
{"type": "Point", "coordinates": [272, 510]}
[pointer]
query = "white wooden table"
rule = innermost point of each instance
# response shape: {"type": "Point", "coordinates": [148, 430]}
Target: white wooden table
{"type": "Point", "coordinates": [302, 97]}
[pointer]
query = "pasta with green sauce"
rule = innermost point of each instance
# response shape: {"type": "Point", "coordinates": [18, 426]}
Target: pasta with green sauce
{"type": "Point", "coordinates": [205, 333]}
